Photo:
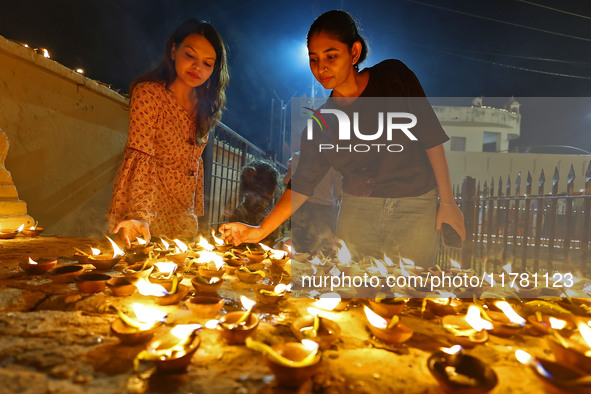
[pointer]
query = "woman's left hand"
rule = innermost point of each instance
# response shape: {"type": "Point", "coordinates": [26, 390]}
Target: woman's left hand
{"type": "Point", "coordinates": [452, 215]}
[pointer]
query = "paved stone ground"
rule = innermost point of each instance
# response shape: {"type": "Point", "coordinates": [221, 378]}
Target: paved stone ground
{"type": "Point", "coordinates": [55, 339]}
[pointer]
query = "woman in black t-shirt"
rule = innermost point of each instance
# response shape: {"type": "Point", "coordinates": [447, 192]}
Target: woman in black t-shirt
{"type": "Point", "coordinates": [389, 197]}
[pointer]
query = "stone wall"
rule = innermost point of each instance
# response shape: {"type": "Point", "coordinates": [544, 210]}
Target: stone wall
{"type": "Point", "coordinates": [67, 134]}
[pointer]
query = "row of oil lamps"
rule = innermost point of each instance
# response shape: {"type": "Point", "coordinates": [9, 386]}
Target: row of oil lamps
{"type": "Point", "coordinates": [32, 231]}
{"type": "Point", "coordinates": [293, 363]}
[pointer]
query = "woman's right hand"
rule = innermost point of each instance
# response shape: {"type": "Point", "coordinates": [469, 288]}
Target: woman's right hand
{"type": "Point", "coordinates": [238, 233]}
{"type": "Point", "coordinates": [128, 230]}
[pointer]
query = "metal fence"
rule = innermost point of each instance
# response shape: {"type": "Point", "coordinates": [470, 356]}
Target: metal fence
{"type": "Point", "coordinates": [224, 156]}
{"type": "Point", "coordinates": [533, 232]}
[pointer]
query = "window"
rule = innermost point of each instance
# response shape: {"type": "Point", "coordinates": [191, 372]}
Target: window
{"type": "Point", "coordinates": [458, 144]}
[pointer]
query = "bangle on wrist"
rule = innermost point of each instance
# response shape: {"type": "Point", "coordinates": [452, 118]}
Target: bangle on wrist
{"type": "Point", "coordinates": [447, 203]}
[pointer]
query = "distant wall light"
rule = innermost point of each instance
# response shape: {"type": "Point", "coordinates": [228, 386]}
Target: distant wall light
{"type": "Point", "coordinates": [80, 71]}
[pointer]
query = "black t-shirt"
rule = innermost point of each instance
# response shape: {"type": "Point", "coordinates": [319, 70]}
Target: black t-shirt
{"type": "Point", "coordinates": [390, 166]}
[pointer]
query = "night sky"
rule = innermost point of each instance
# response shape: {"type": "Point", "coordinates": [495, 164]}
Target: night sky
{"type": "Point", "coordinates": [457, 48]}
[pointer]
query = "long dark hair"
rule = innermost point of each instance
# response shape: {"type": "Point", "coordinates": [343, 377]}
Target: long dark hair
{"type": "Point", "coordinates": [341, 26]}
{"type": "Point", "coordinates": [211, 96]}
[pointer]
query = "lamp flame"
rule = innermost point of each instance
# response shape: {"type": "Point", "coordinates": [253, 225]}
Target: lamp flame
{"type": "Point", "coordinates": [204, 244]}
{"type": "Point", "coordinates": [22, 226]}
{"type": "Point", "coordinates": [207, 257]}
{"type": "Point", "coordinates": [507, 268]}
{"type": "Point", "coordinates": [116, 251]}
{"type": "Point", "coordinates": [310, 345]}
{"type": "Point", "coordinates": [526, 359]}
{"type": "Point", "coordinates": [452, 350]}
{"type": "Point", "coordinates": [328, 301]}
{"type": "Point", "coordinates": [455, 264]}
{"type": "Point", "coordinates": [388, 261]}
{"type": "Point", "coordinates": [510, 313]}
{"type": "Point", "coordinates": [275, 254]}
{"type": "Point", "coordinates": [375, 319]}
{"type": "Point", "coordinates": [408, 262]}
{"type": "Point", "coordinates": [166, 267]}
{"type": "Point", "coordinates": [343, 253]}
{"type": "Point", "coordinates": [281, 288]}
{"type": "Point", "coordinates": [585, 331]}
{"type": "Point", "coordinates": [141, 241]}
{"type": "Point", "coordinates": [212, 324]}
{"type": "Point", "coordinates": [181, 245]}
{"type": "Point", "coordinates": [247, 303]}
{"type": "Point", "coordinates": [95, 251]}
{"type": "Point", "coordinates": [31, 261]}
{"type": "Point", "coordinates": [147, 288]}
{"type": "Point", "coordinates": [147, 316]}
{"type": "Point", "coordinates": [217, 240]}
{"type": "Point", "coordinates": [45, 53]}
{"type": "Point", "coordinates": [165, 244]}
{"type": "Point", "coordinates": [557, 324]}
{"type": "Point", "coordinates": [183, 331]}
{"type": "Point", "coordinates": [213, 280]}
{"type": "Point", "coordinates": [475, 321]}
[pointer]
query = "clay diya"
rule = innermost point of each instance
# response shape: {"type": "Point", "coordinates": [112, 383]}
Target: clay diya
{"type": "Point", "coordinates": [91, 282]}
{"type": "Point", "coordinates": [277, 257]}
{"type": "Point", "coordinates": [32, 231]}
{"type": "Point", "coordinates": [138, 271]}
{"type": "Point", "coordinates": [232, 265]}
{"type": "Point", "coordinates": [541, 324]}
{"type": "Point", "coordinates": [104, 262]}
{"type": "Point", "coordinates": [165, 275]}
{"type": "Point", "coordinates": [173, 349]}
{"type": "Point", "coordinates": [247, 276]}
{"type": "Point", "coordinates": [142, 328]}
{"type": "Point", "coordinates": [219, 243]}
{"type": "Point", "coordinates": [555, 377]}
{"type": "Point", "coordinates": [388, 307]}
{"type": "Point", "coordinates": [255, 256]}
{"type": "Point", "coordinates": [391, 331]}
{"type": "Point", "coordinates": [269, 294]}
{"type": "Point", "coordinates": [141, 247]}
{"type": "Point", "coordinates": [506, 323]}
{"type": "Point", "coordinates": [467, 331]}
{"type": "Point", "coordinates": [573, 353]}
{"type": "Point", "coordinates": [121, 287]}
{"type": "Point", "coordinates": [9, 234]}
{"type": "Point", "coordinates": [65, 273]}
{"type": "Point", "coordinates": [206, 286]}
{"type": "Point", "coordinates": [461, 373]}
{"type": "Point", "coordinates": [324, 332]}
{"type": "Point", "coordinates": [211, 270]}
{"type": "Point", "coordinates": [443, 306]}
{"type": "Point", "coordinates": [292, 363]}
{"type": "Point", "coordinates": [174, 296]}
{"type": "Point", "coordinates": [180, 253]}
{"type": "Point", "coordinates": [237, 326]}
{"type": "Point", "coordinates": [38, 267]}
{"type": "Point", "coordinates": [204, 307]}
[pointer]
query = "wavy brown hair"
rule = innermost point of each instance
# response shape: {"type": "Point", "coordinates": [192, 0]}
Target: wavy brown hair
{"type": "Point", "coordinates": [211, 96]}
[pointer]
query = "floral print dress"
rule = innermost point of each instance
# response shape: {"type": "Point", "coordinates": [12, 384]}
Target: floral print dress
{"type": "Point", "coordinates": [160, 179]}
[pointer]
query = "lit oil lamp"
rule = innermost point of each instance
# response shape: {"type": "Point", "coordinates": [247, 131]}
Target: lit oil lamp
{"type": "Point", "coordinates": [269, 294]}
{"type": "Point", "coordinates": [38, 267]}
{"type": "Point", "coordinates": [84, 257]}
{"type": "Point", "coordinates": [206, 286]}
{"type": "Point", "coordinates": [506, 323]}
{"type": "Point", "coordinates": [409, 266]}
{"type": "Point", "coordinates": [292, 363]}
{"type": "Point", "coordinates": [140, 251]}
{"type": "Point", "coordinates": [456, 268]}
{"type": "Point", "coordinates": [391, 331]}
{"type": "Point", "coordinates": [237, 326]}
{"type": "Point", "coordinates": [219, 243]}
{"type": "Point", "coordinates": [555, 377]}
{"type": "Point", "coordinates": [160, 294]}
{"type": "Point", "coordinates": [461, 373]}
{"type": "Point", "coordinates": [323, 331]}
{"type": "Point", "coordinates": [65, 273]}
{"type": "Point", "coordinates": [139, 329]}
{"type": "Point", "coordinates": [233, 262]}
{"type": "Point", "coordinates": [180, 253]}
{"type": "Point", "coordinates": [33, 231]}
{"type": "Point", "coordinates": [9, 234]}
{"type": "Point", "coordinates": [204, 245]}
{"type": "Point", "coordinates": [278, 257]}
{"type": "Point", "coordinates": [212, 265]}
{"type": "Point", "coordinates": [448, 304]}
{"type": "Point", "coordinates": [205, 307]}
{"type": "Point", "coordinates": [574, 352]}
{"type": "Point", "coordinates": [105, 261]}
{"type": "Point", "coordinates": [172, 349]}
{"type": "Point", "coordinates": [121, 287]}
{"type": "Point", "coordinates": [165, 274]}
{"type": "Point", "coordinates": [138, 271]}
{"type": "Point", "coordinates": [247, 276]}
{"type": "Point", "coordinates": [162, 248]}
{"type": "Point", "coordinates": [467, 331]}
{"type": "Point", "coordinates": [91, 282]}
{"type": "Point", "coordinates": [542, 324]}
{"type": "Point", "coordinates": [388, 307]}
{"type": "Point", "coordinates": [254, 256]}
